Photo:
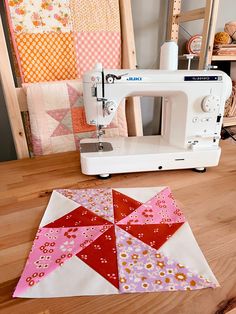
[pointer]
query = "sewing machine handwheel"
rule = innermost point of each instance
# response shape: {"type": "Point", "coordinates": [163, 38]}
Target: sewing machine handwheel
{"type": "Point", "coordinates": [104, 176]}
{"type": "Point", "coordinates": [200, 170]}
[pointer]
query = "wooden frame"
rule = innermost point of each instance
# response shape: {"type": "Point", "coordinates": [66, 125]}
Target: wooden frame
{"type": "Point", "coordinates": [208, 13]}
{"type": "Point", "coordinates": [16, 101]}
{"type": "Point", "coordinates": [209, 26]}
{"type": "Point", "coordinates": [11, 99]}
{"type": "Point", "coordinates": [229, 121]}
{"type": "Point", "coordinates": [173, 22]}
{"type": "Point", "coordinates": [133, 107]}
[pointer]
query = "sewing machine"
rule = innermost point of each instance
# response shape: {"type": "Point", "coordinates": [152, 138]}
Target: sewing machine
{"type": "Point", "coordinates": [192, 114]}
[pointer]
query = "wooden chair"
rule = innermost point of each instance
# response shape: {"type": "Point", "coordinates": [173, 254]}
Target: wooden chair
{"type": "Point", "coordinates": [15, 97]}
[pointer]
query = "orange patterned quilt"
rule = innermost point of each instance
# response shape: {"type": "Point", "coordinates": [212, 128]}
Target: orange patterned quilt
{"type": "Point", "coordinates": [60, 39]}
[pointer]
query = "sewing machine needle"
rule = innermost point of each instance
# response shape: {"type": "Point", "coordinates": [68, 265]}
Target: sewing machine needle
{"type": "Point", "coordinates": [100, 132]}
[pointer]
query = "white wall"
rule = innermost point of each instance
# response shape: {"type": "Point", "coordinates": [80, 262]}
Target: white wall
{"type": "Point", "coordinates": [149, 18]}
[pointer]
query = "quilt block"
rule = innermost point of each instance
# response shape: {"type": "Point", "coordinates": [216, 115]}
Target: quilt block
{"type": "Point", "coordinates": [57, 117]}
{"type": "Point", "coordinates": [112, 241]}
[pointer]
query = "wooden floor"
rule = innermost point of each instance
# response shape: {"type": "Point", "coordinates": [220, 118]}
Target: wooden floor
{"type": "Point", "coordinates": [208, 201]}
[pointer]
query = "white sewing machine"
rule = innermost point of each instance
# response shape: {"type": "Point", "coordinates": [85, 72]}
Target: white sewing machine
{"type": "Point", "coordinates": [193, 107]}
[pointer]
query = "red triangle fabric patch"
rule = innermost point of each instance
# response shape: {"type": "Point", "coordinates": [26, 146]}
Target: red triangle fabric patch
{"type": "Point", "coordinates": [101, 256]}
{"type": "Point", "coordinates": [123, 205]}
{"type": "Point", "coordinates": [79, 217]}
{"type": "Point", "coordinates": [153, 235]}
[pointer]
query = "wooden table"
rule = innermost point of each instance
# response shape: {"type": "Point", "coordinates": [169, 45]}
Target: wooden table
{"type": "Point", "coordinates": [208, 201]}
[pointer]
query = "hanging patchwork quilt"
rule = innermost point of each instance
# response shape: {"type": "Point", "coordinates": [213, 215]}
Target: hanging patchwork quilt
{"type": "Point", "coordinates": [61, 39]}
{"type": "Point", "coordinates": [112, 241]}
{"type": "Point", "coordinates": [58, 40]}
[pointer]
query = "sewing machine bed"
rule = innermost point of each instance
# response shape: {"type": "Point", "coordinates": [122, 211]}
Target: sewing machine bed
{"type": "Point", "coordinates": [145, 153]}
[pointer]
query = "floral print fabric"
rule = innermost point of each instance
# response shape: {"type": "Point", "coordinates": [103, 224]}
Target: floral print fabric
{"type": "Point", "coordinates": [160, 209]}
{"type": "Point", "coordinates": [99, 201]}
{"type": "Point", "coordinates": [143, 269]}
{"type": "Point", "coordinates": [33, 16]}
{"type": "Point", "coordinates": [52, 247]}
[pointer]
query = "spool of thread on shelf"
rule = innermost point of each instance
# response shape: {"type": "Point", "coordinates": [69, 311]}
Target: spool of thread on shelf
{"type": "Point", "coordinates": [169, 56]}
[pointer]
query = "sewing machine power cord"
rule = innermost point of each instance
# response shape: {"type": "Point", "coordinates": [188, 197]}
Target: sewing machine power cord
{"type": "Point", "coordinates": [228, 134]}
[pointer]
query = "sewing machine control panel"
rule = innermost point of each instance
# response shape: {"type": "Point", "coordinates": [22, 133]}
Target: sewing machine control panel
{"type": "Point", "coordinates": [206, 122]}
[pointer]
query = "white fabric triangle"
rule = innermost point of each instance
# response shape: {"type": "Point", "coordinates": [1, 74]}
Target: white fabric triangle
{"type": "Point", "coordinates": [183, 247]}
{"type": "Point", "coordinates": [58, 206]}
{"type": "Point", "coordinates": [73, 278]}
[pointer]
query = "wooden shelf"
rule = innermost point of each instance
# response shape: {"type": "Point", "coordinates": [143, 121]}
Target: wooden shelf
{"type": "Point", "coordinates": [224, 58]}
{"type": "Point", "coordinates": [214, 58]}
{"type": "Point", "coordinates": [229, 121]}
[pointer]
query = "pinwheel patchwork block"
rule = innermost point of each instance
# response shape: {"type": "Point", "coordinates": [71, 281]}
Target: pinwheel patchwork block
{"type": "Point", "coordinates": [112, 241]}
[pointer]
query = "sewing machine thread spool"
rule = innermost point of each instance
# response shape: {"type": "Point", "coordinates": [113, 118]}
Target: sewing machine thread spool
{"type": "Point", "coordinates": [169, 56]}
